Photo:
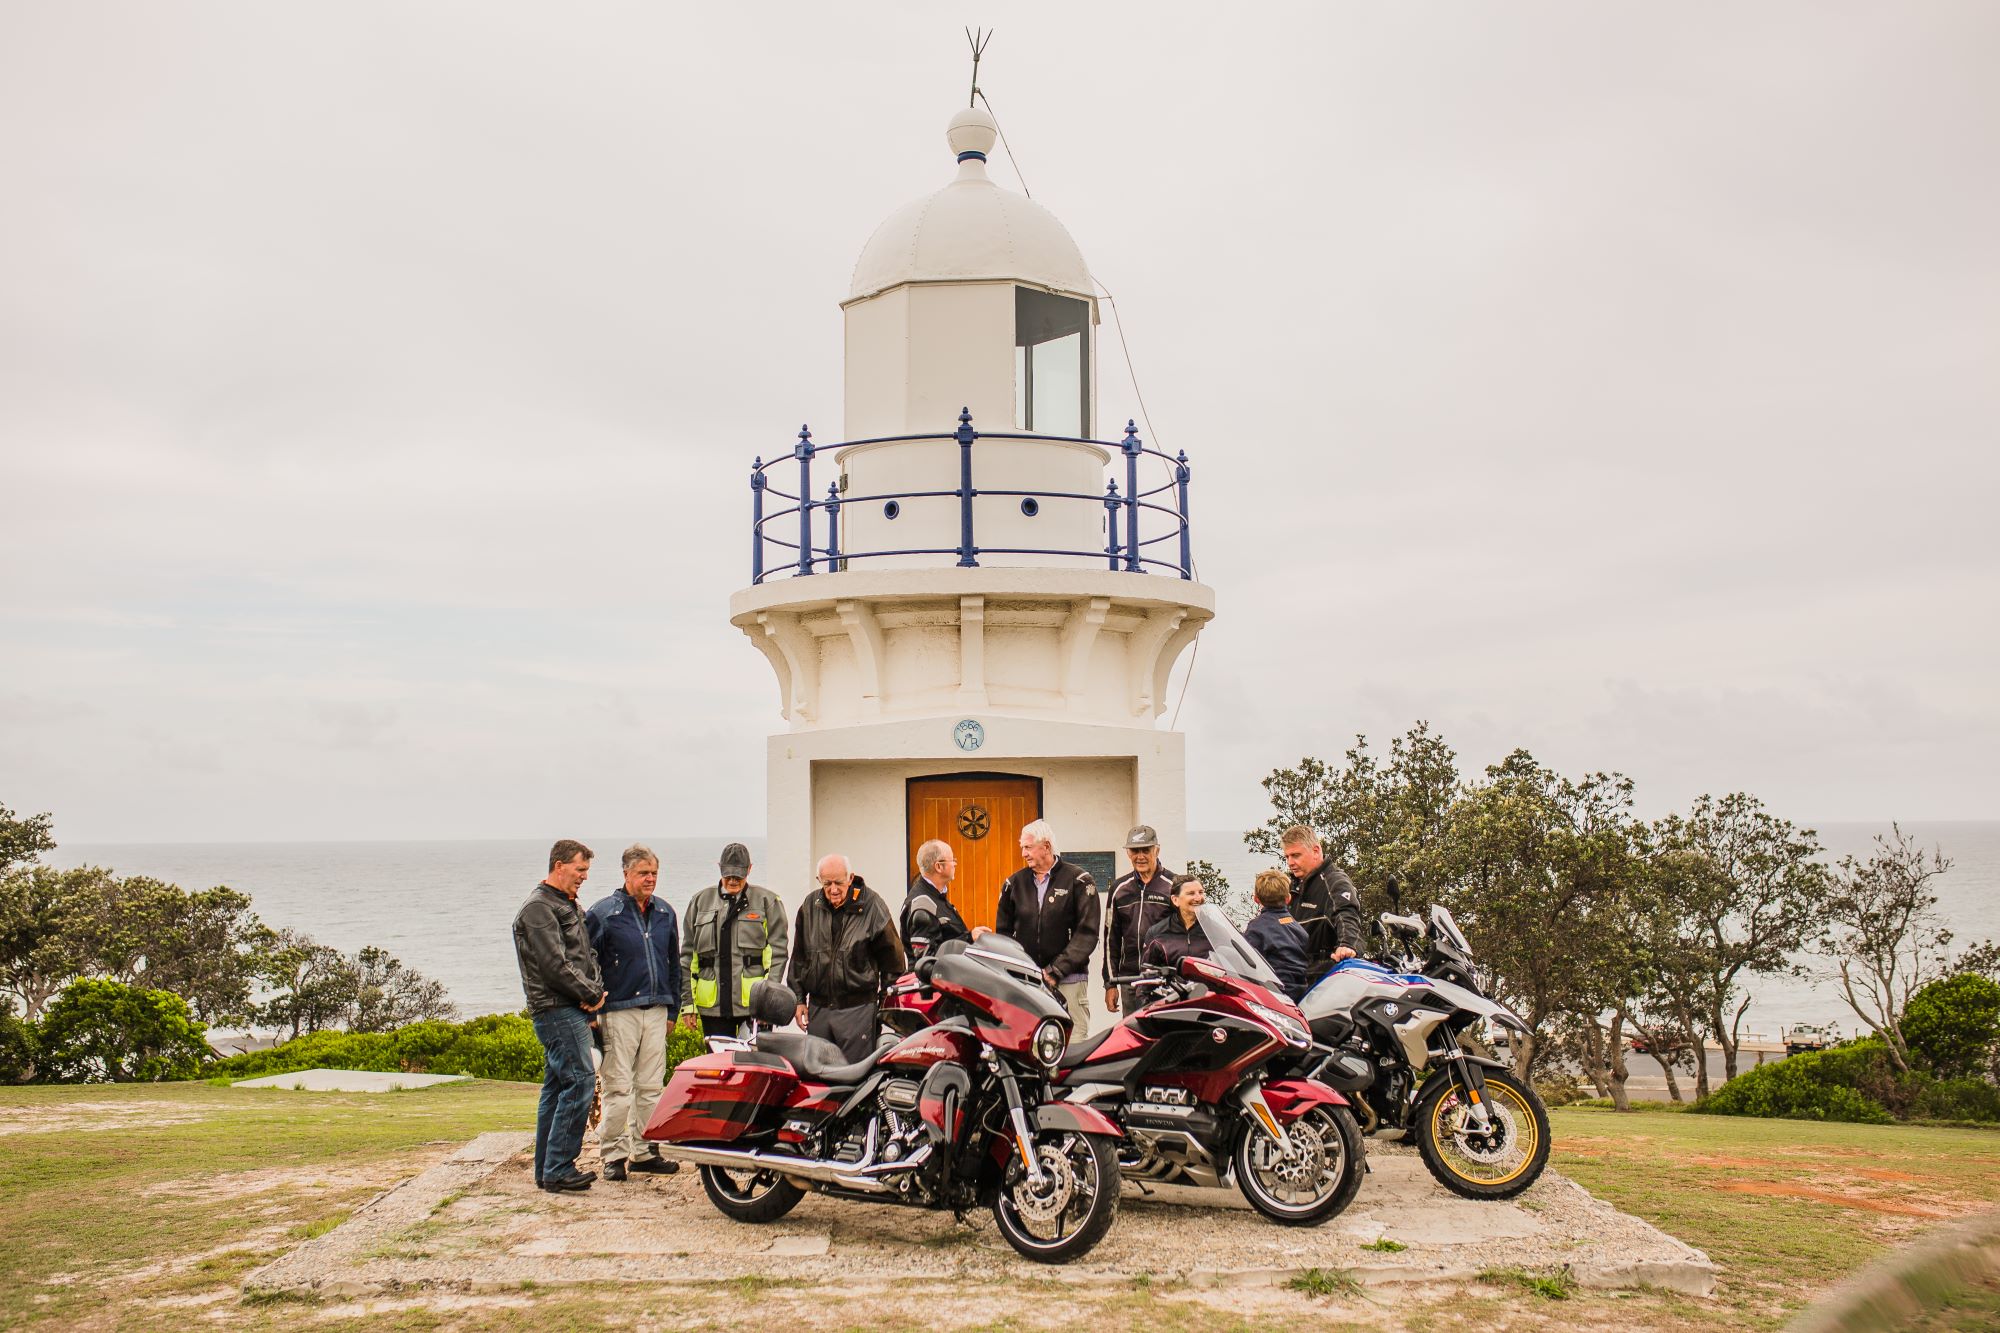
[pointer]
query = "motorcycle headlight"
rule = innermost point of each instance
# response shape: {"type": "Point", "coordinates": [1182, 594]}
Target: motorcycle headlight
{"type": "Point", "coordinates": [1049, 1042]}
{"type": "Point", "coordinates": [1293, 1031]}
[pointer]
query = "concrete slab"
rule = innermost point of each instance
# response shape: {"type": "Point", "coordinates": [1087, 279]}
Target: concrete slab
{"type": "Point", "coordinates": [477, 1223]}
{"type": "Point", "coordinates": [347, 1080]}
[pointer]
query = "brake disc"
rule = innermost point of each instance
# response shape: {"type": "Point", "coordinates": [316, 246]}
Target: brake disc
{"type": "Point", "coordinates": [1048, 1201]}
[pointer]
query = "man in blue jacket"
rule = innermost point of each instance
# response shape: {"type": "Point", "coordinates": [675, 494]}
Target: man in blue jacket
{"type": "Point", "coordinates": [638, 944]}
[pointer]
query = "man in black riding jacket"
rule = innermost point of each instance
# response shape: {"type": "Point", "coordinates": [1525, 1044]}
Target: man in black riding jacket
{"type": "Point", "coordinates": [844, 951]}
{"type": "Point", "coordinates": [1323, 901]}
{"type": "Point", "coordinates": [929, 916]}
{"type": "Point", "coordinates": [1138, 902]}
{"type": "Point", "coordinates": [1050, 907]}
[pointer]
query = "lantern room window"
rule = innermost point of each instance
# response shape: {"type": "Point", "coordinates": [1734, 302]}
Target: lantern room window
{"type": "Point", "coordinates": [1051, 363]}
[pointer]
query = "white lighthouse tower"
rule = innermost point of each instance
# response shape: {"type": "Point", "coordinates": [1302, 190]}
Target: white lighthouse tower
{"type": "Point", "coordinates": [972, 606]}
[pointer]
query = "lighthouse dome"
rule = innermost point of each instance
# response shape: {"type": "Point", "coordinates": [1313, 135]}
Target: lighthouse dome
{"type": "Point", "coordinates": [971, 230]}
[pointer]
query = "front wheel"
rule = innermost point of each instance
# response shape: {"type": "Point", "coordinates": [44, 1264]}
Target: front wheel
{"type": "Point", "coordinates": [1069, 1212]}
{"type": "Point", "coordinates": [1495, 1162]}
{"type": "Point", "coordinates": [1315, 1180]}
{"type": "Point", "coordinates": [750, 1195]}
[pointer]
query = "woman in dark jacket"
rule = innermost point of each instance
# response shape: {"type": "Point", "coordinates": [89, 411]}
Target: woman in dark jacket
{"type": "Point", "coordinates": [1178, 936]}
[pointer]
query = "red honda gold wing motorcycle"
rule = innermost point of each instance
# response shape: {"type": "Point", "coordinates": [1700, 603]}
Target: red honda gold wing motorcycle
{"type": "Point", "coordinates": [1186, 1078]}
{"type": "Point", "coordinates": [954, 1115]}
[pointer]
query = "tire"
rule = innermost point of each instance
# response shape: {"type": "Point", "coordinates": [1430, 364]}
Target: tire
{"type": "Point", "coordinates": [1075, 1207]}
{"type": "Point", "coordinates": [1326, 1143]}
{"type": "Point", "coordinates": [1497, 1166]}
{"type": "Point", "coordinates": [750, 1196]}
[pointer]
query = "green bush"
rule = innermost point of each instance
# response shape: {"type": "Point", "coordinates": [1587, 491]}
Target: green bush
{"type": "Point", "coordinates": [105, 1032]}
{"type": "Point", "coordinates": [1818, 1085]}
{"type": "Point", "coordinates": [1952, 1026]}
{"type": "Point", "coordinates": [1959, 1099]}
{"type": "Point", "coordinates": [20, 1047]}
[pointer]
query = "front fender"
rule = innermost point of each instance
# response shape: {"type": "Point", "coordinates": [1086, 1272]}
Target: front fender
{"type": "Point", "coordinates": [1290, 1098]}
{"type": "Point", "coordinates": [1076, 1118]}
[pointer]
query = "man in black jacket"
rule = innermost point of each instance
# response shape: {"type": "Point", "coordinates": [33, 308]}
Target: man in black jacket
{"type": "Point", "coordinates": [844, 950]}
{"type": "Point", "coordinates": [1050, 907]}
{"type": "Point", "coordinates": [1323, 901]}
{"type": "Point", "coordinates": [1138, 902]}
{"type": "Point", "coordinates": [560, 978]}
{"type": "Point", "coordinates": [929, 915]}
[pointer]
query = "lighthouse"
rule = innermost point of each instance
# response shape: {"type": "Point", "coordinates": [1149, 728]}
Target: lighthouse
{"type": "Point", "coordinates": [972, 599]}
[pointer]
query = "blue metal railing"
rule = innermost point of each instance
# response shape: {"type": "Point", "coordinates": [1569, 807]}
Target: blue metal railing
{"type": "Point", "coordinates": [1122, 512]}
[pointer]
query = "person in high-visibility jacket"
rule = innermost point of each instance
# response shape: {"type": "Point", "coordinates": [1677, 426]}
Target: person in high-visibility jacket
{"type": "Point", "coordinates": [733, 934]}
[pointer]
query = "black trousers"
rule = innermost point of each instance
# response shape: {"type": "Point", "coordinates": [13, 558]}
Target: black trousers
{"type": "Point", "coordinates": [851, 1027]}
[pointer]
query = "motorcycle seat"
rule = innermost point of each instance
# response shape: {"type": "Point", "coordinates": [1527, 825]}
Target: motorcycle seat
{"type": "Point", "coordinates": [817, 1058]}
{"type": "Point", "coordinates": [1079, 1051]}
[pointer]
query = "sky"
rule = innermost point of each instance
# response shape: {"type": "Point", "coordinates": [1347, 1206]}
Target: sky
{"type": "Point", "coordinates": [379, 384]}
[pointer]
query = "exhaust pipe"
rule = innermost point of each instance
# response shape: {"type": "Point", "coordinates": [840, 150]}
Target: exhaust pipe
{"type": "Point", "coordinates": [866, 1175]}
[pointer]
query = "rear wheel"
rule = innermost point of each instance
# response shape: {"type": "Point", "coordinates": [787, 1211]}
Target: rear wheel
{"type": "Point", "coordinates": [1494, 1161]}
{"type": "Point", "coordinates": [749, 1195]}
{"type": "Point", "coordinates": [1315, 1180]}
{"type": "Point", "coordinates": [1074, 1205]}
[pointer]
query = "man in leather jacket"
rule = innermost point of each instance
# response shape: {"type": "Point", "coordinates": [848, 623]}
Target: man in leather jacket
{"type": "Point", "coordinates": [559, 976]}
{"type": "Point", "coordinates": [929, 916]}
{"type": "Point", "coordinates": [1050, 908]}
{"type": "Point", "coordinates": [1323, 901]}
{"type": "Point", "coordinates": [1138, 902]}
{"type": "Point", "coordinates": [844, 951]}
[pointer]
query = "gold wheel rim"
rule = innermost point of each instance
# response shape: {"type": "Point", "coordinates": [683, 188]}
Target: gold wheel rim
{"type": "Point", "coordinates": [1527, 1134]}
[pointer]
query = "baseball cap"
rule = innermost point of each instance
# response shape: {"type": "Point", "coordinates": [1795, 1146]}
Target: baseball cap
{"type": "Point", "coordinates": [735, 861]}
{"type": "Point", "coordinates": [1142, 835]}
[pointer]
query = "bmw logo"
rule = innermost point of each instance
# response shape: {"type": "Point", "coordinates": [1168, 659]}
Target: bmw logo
{"type": "Point", "coordinates": [968, 735]}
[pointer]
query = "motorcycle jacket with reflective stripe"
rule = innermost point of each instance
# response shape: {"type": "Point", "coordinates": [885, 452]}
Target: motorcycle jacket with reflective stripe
{"type": "Point", "coordinates": [1130, 915]}
{"type": "Point", "coordinates": [736, 948]}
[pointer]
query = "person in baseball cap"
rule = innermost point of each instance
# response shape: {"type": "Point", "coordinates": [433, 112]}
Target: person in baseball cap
{"type": "Point", "coordinates": [733, 933]}
{"type": "Point", "coordinates": [1139, 901]}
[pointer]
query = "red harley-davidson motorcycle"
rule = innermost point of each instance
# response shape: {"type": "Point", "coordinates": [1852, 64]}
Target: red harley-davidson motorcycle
{"type": "Point", "coordinates": [1185, 1076]}
{"type": "Point", "coordinates": [954, 1115]}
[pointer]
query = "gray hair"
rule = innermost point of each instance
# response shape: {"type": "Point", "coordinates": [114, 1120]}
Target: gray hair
{"type": "Point", "coordinates": [1039, 831]}
{"type": "Point", "coordinates": [930, 854]}
{"type": "Point", "coordinates": [846, 869]}
{"type": "Point", "coordinates": [637, 854]}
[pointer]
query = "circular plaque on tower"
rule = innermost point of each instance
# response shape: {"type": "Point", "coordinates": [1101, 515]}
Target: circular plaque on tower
{"type": "Point", "coordinates": [968, 735]}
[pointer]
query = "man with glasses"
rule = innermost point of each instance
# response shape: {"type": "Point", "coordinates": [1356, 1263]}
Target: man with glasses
{"type": "Point", "coordinates": [844, 951]}
{"type": "Point", "coordinates": [929, 915]}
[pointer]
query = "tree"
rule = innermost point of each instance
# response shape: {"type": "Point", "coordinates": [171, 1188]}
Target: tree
{"type": "Point", "coordinates": [1375, 820]}
{"type": "Point", "coordinates": [208, 948]}
{"type": "Point", "coordinates": [1752, 887]}
{"type": "Point", "coordinates": [314, 985]}
{"type": "Point", "coordinates": [1882, 931]}
{"type": "Point", "coordinates": [100, 1031]}
{"type": "Point", "coordinates": [23, 840]}
{"type": "Point", "coordinates": [1953, 1025]}
{"type": "Point", "coordinates": [44, 944]}
{"type": "Point", "coordinates": [388, 995]}
{"type": "Point", "coordinates": [20, 1046]}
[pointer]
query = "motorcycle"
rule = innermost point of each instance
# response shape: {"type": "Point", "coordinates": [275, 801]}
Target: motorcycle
{"type": "Point", "coordinates": [1185, 1076]}
{"type": "Point", "coordinates": [1399, 1041]}
{"type": "Point", "coordinates": [954, 1115]}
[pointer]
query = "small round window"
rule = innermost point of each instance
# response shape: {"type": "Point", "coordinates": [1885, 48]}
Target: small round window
{"type": "Point", "coordinates": [891, 509]}
{"type": "Point", "coordinates": [1031, 506]}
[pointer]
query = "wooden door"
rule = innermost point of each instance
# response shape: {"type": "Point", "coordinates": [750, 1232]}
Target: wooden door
{"type": "Point", "coordinates": [981, 815]}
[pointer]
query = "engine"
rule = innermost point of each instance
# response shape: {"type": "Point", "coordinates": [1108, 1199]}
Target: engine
{"type": "Point", "coordinates": [894, 1133]}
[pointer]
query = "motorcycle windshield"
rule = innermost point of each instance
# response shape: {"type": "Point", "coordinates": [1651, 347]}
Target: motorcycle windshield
{"type": "Point", "coordinates": [1446, 925]}
{"type": "Point", "coordinates": [1228, 950]}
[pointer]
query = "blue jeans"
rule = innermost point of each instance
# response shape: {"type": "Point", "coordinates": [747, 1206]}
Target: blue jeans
{"type": "Point", "coordinates": [568, 1081]}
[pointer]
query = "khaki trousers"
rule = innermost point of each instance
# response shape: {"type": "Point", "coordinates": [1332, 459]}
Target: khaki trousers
{"type": "Point", "coordinates": [1076, 999]}
{"type": "Point", "coordinates": [635, 1066]}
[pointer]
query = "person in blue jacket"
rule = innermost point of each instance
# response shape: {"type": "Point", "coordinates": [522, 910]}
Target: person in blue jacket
{"type": "Point", "coordinates": [638, 944]}
{"type": "Point", "coordinates": [1274, 933]}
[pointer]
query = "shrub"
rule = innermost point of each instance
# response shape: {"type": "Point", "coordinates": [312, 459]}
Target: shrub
{"type": "Point", "coordinates": [20, 1047]}
{"type": "Point", "coordinates": [1952, 1025]}
{"type": "Point", "coordinates": [1818, 1085]}
{"type": "Point", "coordinates": [105, 1032]}
{"type": "Point", "coordinates": [1959, 1099]}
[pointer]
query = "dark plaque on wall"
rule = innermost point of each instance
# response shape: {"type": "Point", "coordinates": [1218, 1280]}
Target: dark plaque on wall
{"type": "Point", "coordinates": [1103, 866]}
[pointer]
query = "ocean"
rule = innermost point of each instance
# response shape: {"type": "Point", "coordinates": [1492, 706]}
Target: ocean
{"type": "Point", "coordinates": [444, 907]}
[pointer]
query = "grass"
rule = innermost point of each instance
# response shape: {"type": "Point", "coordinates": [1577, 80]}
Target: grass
{"type": "Point", "coordinates": [1385, 1246]}
{"type": "Point", "coordinates": [190, 1187]}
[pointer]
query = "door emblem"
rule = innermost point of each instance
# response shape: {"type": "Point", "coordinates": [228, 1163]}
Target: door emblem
{"type": "Point", "coordinates": [973, 823]}
{"type": "Point", "coordinates": [968, 735]}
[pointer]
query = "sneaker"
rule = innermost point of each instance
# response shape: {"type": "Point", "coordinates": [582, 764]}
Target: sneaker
{"type": "Point", "coordinates": [576, 1181]}
{"type": "Point", "coordinates": [655, 1166]}
{"type": "Point", "coordinates": [615, 1169]}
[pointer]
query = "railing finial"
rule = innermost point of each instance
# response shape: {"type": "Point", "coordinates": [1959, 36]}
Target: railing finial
{"type": "Point", "coordinates": [805, 449]}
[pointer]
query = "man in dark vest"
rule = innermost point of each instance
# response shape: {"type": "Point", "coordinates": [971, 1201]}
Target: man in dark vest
{"type": "Point", "coordinates": [844, 950]}
{"type": "Point", "coordinates": [1323, 901]}
{"type": "Point", "coordinates": [1050, 907]}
